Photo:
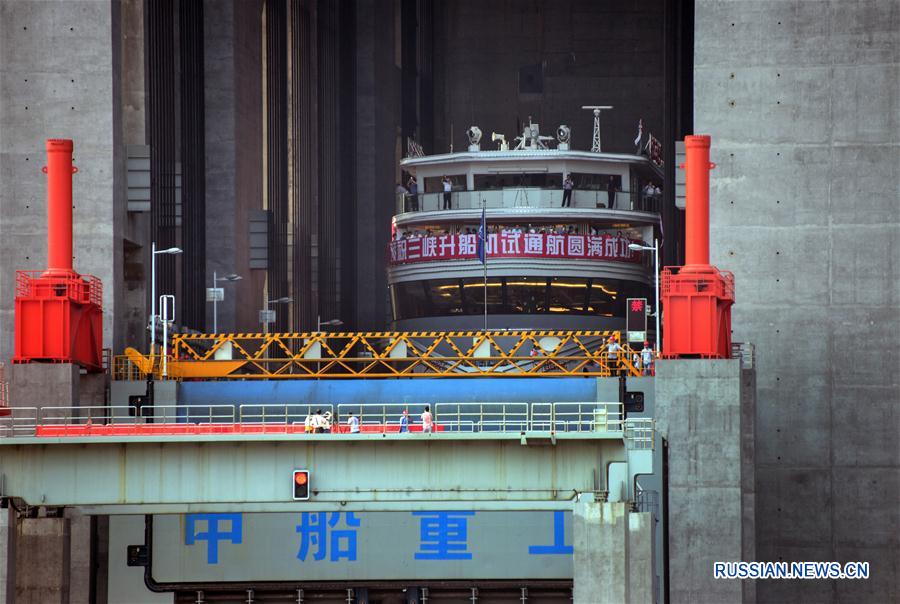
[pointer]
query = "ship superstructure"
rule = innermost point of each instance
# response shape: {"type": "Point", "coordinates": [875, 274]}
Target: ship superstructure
{"type": "Point", "coordinates": [553, 260]}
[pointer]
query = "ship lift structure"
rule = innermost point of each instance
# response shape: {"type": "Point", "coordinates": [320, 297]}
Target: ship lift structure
{"type": "Point", "coordinates": [462, 354]}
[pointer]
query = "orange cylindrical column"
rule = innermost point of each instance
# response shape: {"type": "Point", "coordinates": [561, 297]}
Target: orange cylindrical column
{"type": "Point", "coordinates": [59, 206]}
{"type": "Point", "coordinates": [697, 168]}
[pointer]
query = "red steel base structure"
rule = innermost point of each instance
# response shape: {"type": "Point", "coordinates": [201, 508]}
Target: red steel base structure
{"type": "Point", "coordinates": [59, 319]}
{"type": "Point", "coordinates": [697, 297]}
{"type": "Point", "coordinates": [698, 313]}
{"type": "Point", "coordinates": [59, 313]}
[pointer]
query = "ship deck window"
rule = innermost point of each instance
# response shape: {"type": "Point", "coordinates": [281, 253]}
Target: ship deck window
{"type": "Point", "coordinates": [493, 182]}
{"type": "Point", "coordinates": [514, 295]}
{"type": "Point", "coordinates": [594, 182]}
{"type": "Point", "coordinates": [445, 295]}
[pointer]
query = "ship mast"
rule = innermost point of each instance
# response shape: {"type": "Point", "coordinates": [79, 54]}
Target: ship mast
{"type": "Point", "coordinates": [595, 142]}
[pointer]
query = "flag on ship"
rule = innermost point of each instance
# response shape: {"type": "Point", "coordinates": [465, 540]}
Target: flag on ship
{"type": "Point", "coordinates": [482, 239]}
{"type": "Point", "coordinates": [640, 134]}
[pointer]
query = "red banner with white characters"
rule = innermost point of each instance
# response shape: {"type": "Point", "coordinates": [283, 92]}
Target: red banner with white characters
{"type": "Point", "coordinates": [509, 244]}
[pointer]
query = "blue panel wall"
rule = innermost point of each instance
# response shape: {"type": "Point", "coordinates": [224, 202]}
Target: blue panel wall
{"type": "Point", "coordinates": [410, 391]}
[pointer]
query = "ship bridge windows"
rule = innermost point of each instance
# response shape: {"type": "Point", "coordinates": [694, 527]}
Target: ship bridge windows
{"type": "Point", "coordinates": [595, 182]}
{"type": "Point", "coordinates": [494, 182]}
{"type": "Point", "coordinates": [514, 295]}
{"type": "Point", "coordinates": [445, 296]}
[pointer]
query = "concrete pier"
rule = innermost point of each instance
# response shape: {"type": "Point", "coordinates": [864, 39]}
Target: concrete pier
{"type": "Point", "coordinates": [613, 554]}
{"type": "Point", "coordinates": [705, 410]}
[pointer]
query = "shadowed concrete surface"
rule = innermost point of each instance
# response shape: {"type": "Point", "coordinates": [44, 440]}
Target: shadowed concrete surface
{"type": "Point", "coordinates": [801, 100]}
{"type": "Point", "coordinates": [704, 409]}
{"type": "Point", "coordinates": [42, 561]}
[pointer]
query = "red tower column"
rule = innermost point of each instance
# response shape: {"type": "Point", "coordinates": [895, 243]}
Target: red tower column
{"type": "Point", "coordinates": [697, 297]}
{"type": "Point", "coordinates": [59, 172]}
{"type": "Point", "coordinates": [59, 313]}
{"type": "Point", "coordinates": [697, 167]}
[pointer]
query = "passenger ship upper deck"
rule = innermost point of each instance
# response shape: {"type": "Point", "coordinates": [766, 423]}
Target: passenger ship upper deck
{"type": "Point", "coordinates": [548, 266]}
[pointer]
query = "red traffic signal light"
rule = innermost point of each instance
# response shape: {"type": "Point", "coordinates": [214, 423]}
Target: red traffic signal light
{"type": "Point", "coordinates": [301, 485]}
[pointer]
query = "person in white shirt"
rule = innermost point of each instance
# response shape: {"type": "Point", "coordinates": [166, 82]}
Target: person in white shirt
{"type": "Point", "coordinates": [448, 188]}
{"type": "Point", "coordinates": [612, 352]}
{"type": "Point", "coordinates": [353, 422]}
{"type": "Point", "coordinates": [427, 420]}
{"type": "Point", "coordinates": [318, 422]}
{"type": "Point", "coordinates": [647, 358]}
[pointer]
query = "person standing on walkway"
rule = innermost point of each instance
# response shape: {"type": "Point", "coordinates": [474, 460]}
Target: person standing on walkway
{"type": "Point", "coordinates": [612, 352]}
{"type": "Point", "coordinates": [318, 422]}
{"type": "Point", "coordinates": [647, 358]}
{"type": "Point", "coordinates": [611, 189]}
{"type": "Point", "coordinates": [448, 191]}
{"type": "Point", "coordinates": [404, 421]}
{"type": "Point", "coordinates": [353, 422]}
{"type": "Point", "coordinates": [427, 420]}
{"type": "Point", "coordinates": [413, 188]}
{"type": "Point", "coordinates": [568, 184]}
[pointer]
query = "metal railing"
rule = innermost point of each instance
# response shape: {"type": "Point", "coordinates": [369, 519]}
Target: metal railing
{"type": "Point", "coordinates": [527, 197]}
{"type": "Point", "coordinates": [640, 433]}
{"type": "Point", "coordinates": [484, 417]}
{"type": "Point", "coordinates": [478, 417]}
{"type": "Point", "coordinates": [384, 354]}
{"type": "Point", "coordinates": [83, 289]}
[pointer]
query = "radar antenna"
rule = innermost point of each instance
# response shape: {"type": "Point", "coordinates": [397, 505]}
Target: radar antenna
{"type": "Point", "coordinates": [595, 143]}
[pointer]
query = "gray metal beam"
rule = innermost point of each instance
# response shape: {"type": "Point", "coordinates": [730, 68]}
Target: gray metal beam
{"type": "Point", "coordinates": [253, 473]}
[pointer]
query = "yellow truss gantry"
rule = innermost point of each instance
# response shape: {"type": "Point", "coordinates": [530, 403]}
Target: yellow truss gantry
{"type": "Point", "coordinates": [457, 354]}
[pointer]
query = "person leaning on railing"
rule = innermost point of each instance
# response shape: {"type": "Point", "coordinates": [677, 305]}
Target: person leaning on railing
{"type": "Point", "coordinates": [613, 349]}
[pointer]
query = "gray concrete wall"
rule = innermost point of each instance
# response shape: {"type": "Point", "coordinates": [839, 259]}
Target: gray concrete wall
{"type": "Point", "coordinates": [613, 553]}
{"type": "Point", "coordinates": [802, 101]}
{"type": "Point", "coordinates": [126, 583]}
{"type": "Point", "coordinates": [7, 555]}
{"type": "Point", "coordinates": [56, 81]}
{"type": "Point", "coordinates": [42, 561]}
{"type": "Point", "coordinates": [248, 140]}
{"type": "Point", "coordinates": [222, 226]}
{"type": "Point", "coordinates": [590, 53]}
{"type": "Point", "coordinates": [703, 411]}
{"type": "Point", "coordinates": [79, 557]}
{"type": "Point", "coordinates": [44, 385]}
{"type": "Point", "coordinates": [377, 127]}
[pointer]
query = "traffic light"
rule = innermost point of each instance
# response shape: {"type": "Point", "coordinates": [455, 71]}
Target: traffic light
{"type": "Point", "coordinates": [301, 485]}
{"type": "Point", "coordinates": [636, 319]}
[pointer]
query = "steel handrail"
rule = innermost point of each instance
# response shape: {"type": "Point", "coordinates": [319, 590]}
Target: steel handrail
{"type": "Point", "coordinates": [560, 416]}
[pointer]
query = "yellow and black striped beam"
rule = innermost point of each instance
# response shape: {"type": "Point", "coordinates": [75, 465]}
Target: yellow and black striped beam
{"type": "Point", "coordinates": [457, 354]}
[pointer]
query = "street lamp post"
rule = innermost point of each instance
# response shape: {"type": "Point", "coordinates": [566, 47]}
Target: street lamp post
{"type": "Point", "coordinates": [215, 297]}
{"type": "Point", "coordinates": [320, 323]}
{"type": "Point", "coordinates": [153, 253]}
{"type": "Point", "coordinates": [268, 303]}
{"type": "Point", "coordinates": [655, 249]}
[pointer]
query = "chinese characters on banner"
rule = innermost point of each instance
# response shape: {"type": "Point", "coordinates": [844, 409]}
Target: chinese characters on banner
{"type": "Point", "coordinates": [332, 536]}
{"type": "Point", "coordinates": [509, 244]}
